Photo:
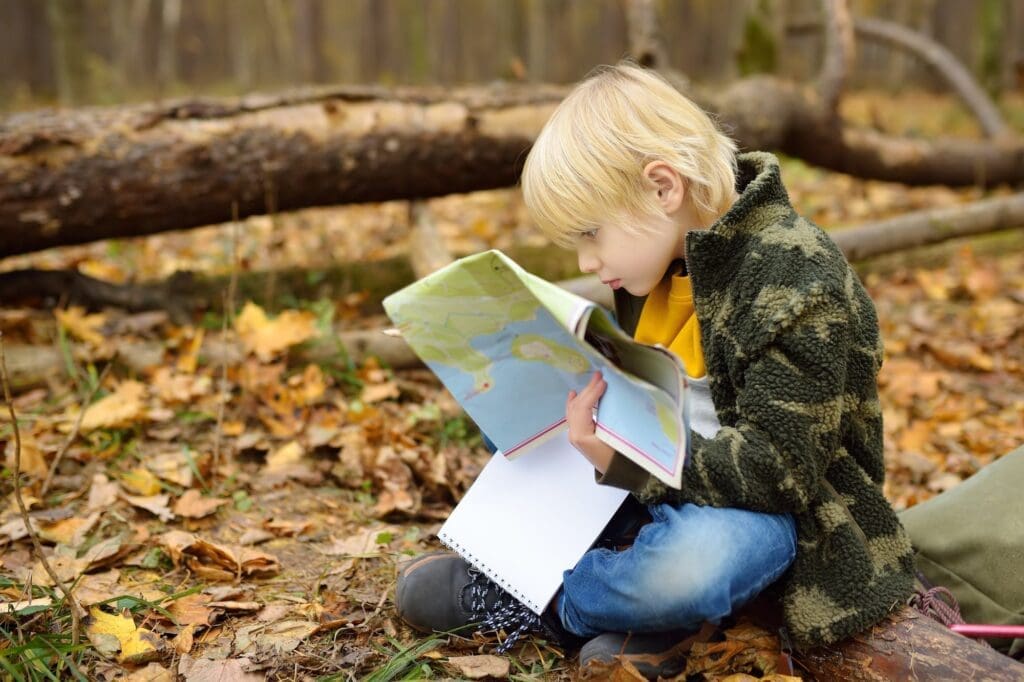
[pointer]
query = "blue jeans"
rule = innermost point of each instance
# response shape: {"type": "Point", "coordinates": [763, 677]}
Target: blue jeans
{"type": "Point", "coordinates": [688, 565]}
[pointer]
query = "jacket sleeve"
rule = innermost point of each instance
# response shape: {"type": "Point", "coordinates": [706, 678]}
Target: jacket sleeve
{"type": "Point", "coordinates": [789, 406]}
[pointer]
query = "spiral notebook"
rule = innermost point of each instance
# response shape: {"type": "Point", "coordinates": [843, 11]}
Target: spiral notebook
{"type": "Point", "coordinates": [525, 521]}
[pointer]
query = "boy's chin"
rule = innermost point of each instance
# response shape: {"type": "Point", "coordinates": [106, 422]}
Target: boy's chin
{"type": "Point", "coordinates": [638, 291]}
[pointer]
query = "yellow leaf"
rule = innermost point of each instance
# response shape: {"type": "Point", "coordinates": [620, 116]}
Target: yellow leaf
{"type": "Point", "coordinates": [284, 457]}
{"type": "Point", "coordinates": [265, 337]}
{"type": "Point", "coordinates": [117, 634]}
{"type": "Point", "coordinates": [189, 359]}
{"type": "Point", "coordinates": [70, 532]}
{"type": "Point", "coordinates": [82, 326]}
{"type": "Point", "coordinates": [119, 409]}
{"type": "Point", "coordinates": [33, 462]}
{"type": "Point", "coordinates": [193, 505]}
{"type": "Point", "coordinates": [141, 481]}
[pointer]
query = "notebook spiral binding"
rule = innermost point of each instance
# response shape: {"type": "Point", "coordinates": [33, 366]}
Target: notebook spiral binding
{"type": "Point", "coordinates": [479, 565]}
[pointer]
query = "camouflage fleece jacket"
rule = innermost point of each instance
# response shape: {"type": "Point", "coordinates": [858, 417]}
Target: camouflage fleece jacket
{"type": "Point", "coordinates": [792, 347]}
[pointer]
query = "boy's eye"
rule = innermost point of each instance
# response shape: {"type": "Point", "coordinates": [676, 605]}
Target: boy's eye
{"type": "Point", "coordinates": [589, 234]}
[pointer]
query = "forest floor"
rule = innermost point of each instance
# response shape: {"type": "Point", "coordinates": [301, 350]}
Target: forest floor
{"type": "Point", "coordinates": [241, 518]}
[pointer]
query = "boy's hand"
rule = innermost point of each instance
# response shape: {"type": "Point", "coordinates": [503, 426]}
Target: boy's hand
{"type": "Point", "coordinates": [579, 414]}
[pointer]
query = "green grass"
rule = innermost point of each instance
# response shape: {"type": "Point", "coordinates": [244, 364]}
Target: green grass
{"type": "Point", "coordinates": [402, 664]}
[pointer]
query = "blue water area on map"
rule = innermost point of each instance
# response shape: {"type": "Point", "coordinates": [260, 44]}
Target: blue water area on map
{"type": "Point", "coordinates": [635, 420]}
{"type": "Point", "coordinates": [528, 397]}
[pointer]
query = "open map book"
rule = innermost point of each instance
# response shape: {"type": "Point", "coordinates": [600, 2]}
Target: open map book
{"type": "Point", "coordinates": [510, 346]}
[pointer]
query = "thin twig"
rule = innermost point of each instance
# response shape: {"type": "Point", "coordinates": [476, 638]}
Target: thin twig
{"type": "Point", "coordinates": [76, 608]}
{"type": "Point", "coordinates": [229, 309]}
{"type": "Point", "coordinates": [74, 431]}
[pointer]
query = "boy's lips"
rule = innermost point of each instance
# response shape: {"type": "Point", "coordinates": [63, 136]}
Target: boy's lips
{"type": "Point", "coordinates": [613, 283]}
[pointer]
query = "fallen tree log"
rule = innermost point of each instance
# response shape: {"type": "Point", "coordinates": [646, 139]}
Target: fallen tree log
{"type": "Point", "coordinates": [909, 646]}
{"type": "Point", "coordinates": [78, 176]}
{"type": "Point", "coordinates": [931, 227]}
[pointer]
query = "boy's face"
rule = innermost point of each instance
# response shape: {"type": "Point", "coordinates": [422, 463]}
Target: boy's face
{"type": "Point", "coordinates": [636, 260]}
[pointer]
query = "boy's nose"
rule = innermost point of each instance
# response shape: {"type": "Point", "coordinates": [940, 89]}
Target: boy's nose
{"type": "Point", "coordinates": [588, 262]}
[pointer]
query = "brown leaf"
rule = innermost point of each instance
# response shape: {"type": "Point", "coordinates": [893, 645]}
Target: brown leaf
{"type": "Point", "coordinates": [81, 326]}
{"type": "Point", "coordinates": [284, 458]}
{"type": "Point", "coordinates": [102, 494]}
{"type": "Point", "coordinates": [193, 609]}
{"type": "Point", "coordinates": [226, 670]}
{"type": "Point", "coordinates": [141, 481]}
{"type": "Point", "coordinates": [154, 672]}
{"type": "Point", "coordinates": [287, 529]}
{"type": "Point", "coordinates": [154, 504]}
{"type": "Point", "coordinates": [193, 505]}
{"type": "Point", "coordinates": [33, 462]}
{"type": "Point", "coordinates": [175, 388]}
{"type": "Point", "coordinates": [479, 667]}
{"type": "Point", "coordinates": [124, 407]}
{"type": "Point", "coordinates": [216, 561]}
{"type": "Point", "coordinates": [184, 640]}
{"type": "Point", "coordinates": [173, 467]}
{"type": "Point", "coordinates": [70, 532]}
{"type": "Point", "coordinates": [374, 393]}
{"type": "Point", "coordinates": [265, 337]}
{"type": "Point", "coordinates": [279, 637]}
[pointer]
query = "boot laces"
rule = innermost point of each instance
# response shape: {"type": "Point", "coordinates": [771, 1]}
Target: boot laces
{"type": "Point", "coordinates": [506, 613]}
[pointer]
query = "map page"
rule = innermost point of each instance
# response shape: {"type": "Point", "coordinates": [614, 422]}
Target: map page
{"type": "Point", "coordinates": [509, 346]}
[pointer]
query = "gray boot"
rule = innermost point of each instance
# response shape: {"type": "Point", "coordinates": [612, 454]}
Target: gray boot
{"type": "Point", "coordinates": [440, 592]}
{"type": "Point", "coordinates": [654, 655]}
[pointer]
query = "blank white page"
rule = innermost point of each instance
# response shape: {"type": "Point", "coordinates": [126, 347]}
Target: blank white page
{"type": "Point", "coordinates": [525, 521]}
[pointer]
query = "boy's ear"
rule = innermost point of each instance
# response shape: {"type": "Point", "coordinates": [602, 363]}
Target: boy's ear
{"type": "Point", "coordinates": [671, 186]}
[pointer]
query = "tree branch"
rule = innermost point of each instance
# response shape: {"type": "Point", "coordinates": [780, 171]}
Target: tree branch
{"type": "Point", "coordinates": [944, 62]}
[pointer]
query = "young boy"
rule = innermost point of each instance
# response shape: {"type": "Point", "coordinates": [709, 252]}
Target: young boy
{"type": "Point", "coordinates": [707, 258]}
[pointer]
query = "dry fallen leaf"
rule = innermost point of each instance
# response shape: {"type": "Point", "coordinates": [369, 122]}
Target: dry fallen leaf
{"type": "Point", "coordinates": [226, 670]}
{"type": "Point", "coordinates": [154, 672]}
{"type": "Point", "coordinates": [154, 504]}
{"type": "Point", "coordinates": [279, 637]}
{"type": "Point", "coordinates": [102, 494]}
{"type": "Point", "coordinates": [265, 337]}
{"type": "Point", "coordinates": [184, 640]}
{"type": "Point", "coordinates": [194, 506]}
{"type": "Point", "coordinates": [33, 461]}
{"type": "Point", "coordinates": [284, 458]}
{"type": "Point", "coordinates": [70, 532]}
{"type": "Point", "coordinates": [193, 609]}
{"type": "Point", "coordinates": [125, 406]}
{"type": "Point", "coordinates": [216, 561]}
{"type": "Point", "coordinates": [478, 667]}
{"type": "Point", "coordinates": [82, 326]}
{"type": "Point", "coordinates": [173, 467]}
{"type": "Point", "coordinates": [16, 607]}
{"type": "Point", "coordinates": [141, 481]}
{"type": "Point", "coordinates": [117, 635]}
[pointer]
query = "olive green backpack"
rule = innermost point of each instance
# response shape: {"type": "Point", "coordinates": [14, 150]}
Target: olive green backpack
{"type": "Point", "coordinates": [970, 540]}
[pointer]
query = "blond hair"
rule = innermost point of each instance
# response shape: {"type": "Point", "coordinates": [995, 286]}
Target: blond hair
{"type": "Point", "coordinates": [587, 163]}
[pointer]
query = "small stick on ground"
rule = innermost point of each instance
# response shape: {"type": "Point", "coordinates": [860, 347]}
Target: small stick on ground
{"type": "Point", "coordinates": [229, 310]}
{"type": "Point", "coordinates": [74, 431]}
{"type": "Point", "coordinates": [76, 608]}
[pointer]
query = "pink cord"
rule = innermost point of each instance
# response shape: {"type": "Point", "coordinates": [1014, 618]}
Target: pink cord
{"type": "Point", "coordinates": [980, 630]}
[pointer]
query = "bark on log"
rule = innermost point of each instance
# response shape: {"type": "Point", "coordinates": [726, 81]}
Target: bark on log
{"type": "Point", "coordinates": [909, 646]}
{"type": "Point", "coordinates": [931, 227]}
{"type": "Point", "coordinates": [78, 176]}
{"type": "Point", "coordinates": [74, 177]}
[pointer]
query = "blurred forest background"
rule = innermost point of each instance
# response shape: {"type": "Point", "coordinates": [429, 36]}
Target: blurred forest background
{"type": "Point", "coordinates": [78, 52]}
{"type": "Point", "coordinates": [214, 449]}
